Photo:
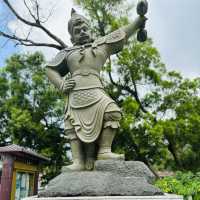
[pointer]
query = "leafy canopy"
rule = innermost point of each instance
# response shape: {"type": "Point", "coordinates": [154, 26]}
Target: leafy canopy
{"type": "Point", "coordinates": [31, 111]}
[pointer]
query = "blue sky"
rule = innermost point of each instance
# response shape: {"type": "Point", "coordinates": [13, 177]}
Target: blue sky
{"type": "Point", "coordinates": [6, 47]}
{"type": "Point", "coordinates": [174, 27]}
{"type": "Point", "coordinates": [6, 51]}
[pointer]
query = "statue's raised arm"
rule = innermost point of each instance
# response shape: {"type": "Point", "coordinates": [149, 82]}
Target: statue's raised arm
{"type": "Point", "coordinates": [139, 23]}
{"type": "Point", "coordinates": [119, 37]}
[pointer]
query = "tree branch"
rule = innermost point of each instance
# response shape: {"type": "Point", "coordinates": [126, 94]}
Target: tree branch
{"type": "Point", "coordinates": [49, 15]}
{"type": "Point", "coordinates": [137, 96]}
{"type": "Point", "coordinates": [100, 23]}
{"type": "Point", "coordinates": [36, 24]}
{"type": "Point", "coordinates": [37, 10]}
{"type": "Point", "coordinates": [172, 150]}
{"type": "Point", "coordinates": [134, 92]}
{"type": "Point", "coordinates": [29, 10]}
{"type": "Point", "coordinates": [27, 42]}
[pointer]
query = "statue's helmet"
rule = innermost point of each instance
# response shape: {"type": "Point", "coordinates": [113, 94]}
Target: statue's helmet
{"type": "Point", "coordinates": [75, 20]}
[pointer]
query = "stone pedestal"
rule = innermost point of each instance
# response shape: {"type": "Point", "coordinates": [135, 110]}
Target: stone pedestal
{"type": "Point", "coordinates": [111, 180]}
{"type": "Point", "coordinates": [163, 197]}
{"type": "Point", "coordinates": [126, 169]}
{"type": "Point", "coordinates": [98, 184]}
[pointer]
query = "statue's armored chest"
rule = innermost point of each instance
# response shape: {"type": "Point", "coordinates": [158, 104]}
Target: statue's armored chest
{"type": "Point", "coordinates": [86, 57]}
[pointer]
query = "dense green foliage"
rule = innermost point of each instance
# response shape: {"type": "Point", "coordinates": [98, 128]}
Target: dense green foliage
{"type": "Point", "coordinates": [31, 111]}
{"type": "Point", "coordinates": [186, 184]}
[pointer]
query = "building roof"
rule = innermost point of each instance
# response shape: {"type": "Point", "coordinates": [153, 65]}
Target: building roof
{"type": "Point", "coordinates": [12, 149]}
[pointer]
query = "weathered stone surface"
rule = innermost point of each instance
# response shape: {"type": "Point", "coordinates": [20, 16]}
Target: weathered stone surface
{"type": "Point", "coordinates": [109, 178]}
{"type": "Point", "coordinates": [98, 183]}
{"type": "Point", "coordinates": [163, 197]}
{"type": "Point", "coordinates": [125, 169]}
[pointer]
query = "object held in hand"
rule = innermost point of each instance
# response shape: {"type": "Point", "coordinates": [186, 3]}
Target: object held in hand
{"type": "Point", "coordinates": [142, 35]}
{"type": "Point", "coordinates": [142, 9]}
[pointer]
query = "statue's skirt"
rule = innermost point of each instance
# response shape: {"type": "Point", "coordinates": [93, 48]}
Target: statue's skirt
{"type": "Point", "coordinates": [90, 110]}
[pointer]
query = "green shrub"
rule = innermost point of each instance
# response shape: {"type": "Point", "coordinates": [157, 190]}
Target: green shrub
{"type": "Point", "coordinates": [186, 184]}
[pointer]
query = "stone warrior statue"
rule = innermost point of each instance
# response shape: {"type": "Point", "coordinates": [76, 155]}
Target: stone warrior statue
{"type": "Point", "coordinates": [91, 116]}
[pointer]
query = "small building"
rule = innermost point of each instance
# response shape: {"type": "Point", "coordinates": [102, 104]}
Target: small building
{"type": "Point", "coordinates": [19, 172]}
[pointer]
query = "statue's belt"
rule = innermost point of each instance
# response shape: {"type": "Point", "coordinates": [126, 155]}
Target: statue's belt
{"type": "Point", "coordinates": [86, 79]}
{"type": "Point", "coordinates": [85, 72]}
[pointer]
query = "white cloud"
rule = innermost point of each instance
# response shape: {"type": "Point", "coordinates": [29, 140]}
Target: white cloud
{"type": "Point", "coordinates": [57, 23]}
{"type": "Point", "coordinates": [174, 27]}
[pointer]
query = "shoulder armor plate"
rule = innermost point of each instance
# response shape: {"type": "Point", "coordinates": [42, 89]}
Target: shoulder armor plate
{"type": "Point", "coordinates": [115, 36]}
{"type": "Point", "coordinates": [99, 41]}
{"type": "Point", "coordinates": [60, 56]}
{"type": "Point", "coordinates": [58, 63]}
{"type": "Point", "coordinates": [58, 59]}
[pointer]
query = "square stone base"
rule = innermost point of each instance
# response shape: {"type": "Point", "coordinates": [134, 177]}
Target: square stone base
{"type": "Point", "coordinates": [164, 197]}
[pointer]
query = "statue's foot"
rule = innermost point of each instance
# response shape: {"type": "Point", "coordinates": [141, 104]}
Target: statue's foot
{"type": "Point", "coordinates": [110, 156]}
{"type": "Point", "coordinates": [89, 164]}
{"type": "Point", "coordinates": [73, 167]}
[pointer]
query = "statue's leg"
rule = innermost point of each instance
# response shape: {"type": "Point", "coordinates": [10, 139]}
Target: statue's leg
{"type": "Point", "coordinates": [105, 143]}
{"type": "Point", "coordinates": [90, 155]}
{"type": "Point", "coordinates": [76, 149]}
{"type": "Point", "coordinates": [111, 123]}
{"type": "Point", "coordinates": [77, 156]}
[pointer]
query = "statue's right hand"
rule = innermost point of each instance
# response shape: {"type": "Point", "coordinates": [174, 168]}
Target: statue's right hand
{"type": "Point", "coordinates": [68, 85]}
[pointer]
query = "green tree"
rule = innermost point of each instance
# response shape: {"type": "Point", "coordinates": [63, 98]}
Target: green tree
{"type": "Point", "coordinates": [181, 129]}
{"type": "Point", "coordinates": [186, 184]}
{"type": "Point", "coordinates": [31, 111]}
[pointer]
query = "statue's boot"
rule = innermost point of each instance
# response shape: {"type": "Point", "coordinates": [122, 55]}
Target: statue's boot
{"type": "Point", "coordinates": [77, 156]}
{"type": "Point", "coordinates": [90, 156]}
{"type": "Point", "coordinates": [105, 143]}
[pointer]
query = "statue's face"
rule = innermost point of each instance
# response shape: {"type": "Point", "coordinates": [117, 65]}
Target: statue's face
{"type": "Point", "coordinates": [81, 33]}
